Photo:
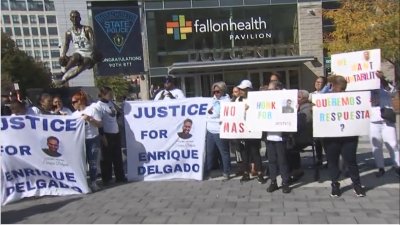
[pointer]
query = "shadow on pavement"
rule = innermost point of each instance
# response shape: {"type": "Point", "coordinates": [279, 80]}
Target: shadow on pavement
{"type": "Point", "coordinates": [14, 216]}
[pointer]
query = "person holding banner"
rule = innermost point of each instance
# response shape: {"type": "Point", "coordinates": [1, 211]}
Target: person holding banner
{"type": "Point", "coordinates": [383, 128]}
{"type": "Point", "coordinates": [45, 106]}
{"type": "Point", "coordinates": [92, 118]}
{"type": "Point", "coordinates": [111, 139]}
{"type": "Point", "coordinates": [342, 146]}
{"type": "Point", "coordinates": [170, 91]}
{"type": "Point", "coordinates": [277, 156]}
{"type": "Point", "coordinates": [252, 147]}
{"type": "Point", "coordinates": [213, 139]}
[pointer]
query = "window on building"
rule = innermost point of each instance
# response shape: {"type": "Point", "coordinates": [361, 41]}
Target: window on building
{"type": "Point", "coordinates": [38, 54]}
{"type": "Point", "coordinates": [24, 19]}
{"type": "Point", "coordinates": [34, 31]}
{"type": "Point", "coordinates": [19, 43]}
{"type": "Point", "coordinates": [26, 31]}
{"type": "Point", "coordinates": [33, 19]}
{"type": "Point", "coordinates": [18, 5]}
{"type": "Point", "coordinates": [45, 43]}
{"type": "Point", "coordinates": [41, 19]}
{"type": "Point", "coordinates": [55, 65]}
{"type": "Point", "coordinates": [53, 31]}
{"type": "Point", "coordinates": [53, 42]}
{"type": "Point", "coordinates": [29, 53]}
{"type": "Point", "coordinates": [55, 53]}
{"type": "Point", "coordinates": [46, 54]}
{"type": "Point", "coordinates": [17, 31]}
{"type": "Point", "coordinates": [51, 19]}
{"type": "Point", "coordinates": [15, 18]}
{"type": "Point", "coordinates": [4, 5]}
{"type": "Point", "coordinates": [6, 19]}
{"type": "Point", "coordinates": [43, 31]}
{"type": "Point", "coordinates": [28, 43]}
{"type": "Point", "coordinates": [36, 43]}
{"type": "Point", "coordinates": [35, 6]}
{"type": "Point", "coordinates": [8, 31]}
{"type": "Point", "coordinates": [49, 6]}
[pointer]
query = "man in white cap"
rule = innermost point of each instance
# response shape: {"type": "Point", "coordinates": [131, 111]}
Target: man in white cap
{"type": "Point", "coordinates": [251, 146]}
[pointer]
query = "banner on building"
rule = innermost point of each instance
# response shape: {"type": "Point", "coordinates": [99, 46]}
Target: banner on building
{"type": "Point", "coordinates": [233, 123]}
{"type": "Point", "coordinates": [341, 114]}
{"type": "Point", "coordinates": [42, 155]}
{"type": "Point", "coordinates": [358, 68]}
{"type": "Point", "coordinates": [118, 37]}
{"type": "Point", "coordinates": [166, 139]}
{"type": "Point", "coordinates": [274, 110]}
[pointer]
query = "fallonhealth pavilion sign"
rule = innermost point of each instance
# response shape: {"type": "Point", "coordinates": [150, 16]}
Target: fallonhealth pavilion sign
{"type": "Point", "coordinates": [118, 37]}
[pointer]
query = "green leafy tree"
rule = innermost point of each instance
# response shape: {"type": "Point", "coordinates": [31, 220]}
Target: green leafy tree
{"type": "Point", "coordinates": [17, 66]}
{"type": "Point", "coordinates": [366, 24]}
{"type": "Point", "coordinates": [118, 84]}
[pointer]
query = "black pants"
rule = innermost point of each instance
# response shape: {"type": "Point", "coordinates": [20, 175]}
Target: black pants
{"type": "Point", "coordinates": [318, 148]}
{"type": "Point", "coordinates": [347, 147]}
{"type": "Point", "coordinates": [294, 158]}
{"type": "Point", "coordinates": [112, 157]}
{"type": "Point", "coordinates": [251, 151]}
{"type": "Point", "coordinates": [277, 158]}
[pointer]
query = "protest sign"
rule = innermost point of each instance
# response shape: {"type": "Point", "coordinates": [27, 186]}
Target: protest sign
{"type": "Point", "coordinates": [358, 68]}
{"type": "Point", "coordinates": [341, 114]}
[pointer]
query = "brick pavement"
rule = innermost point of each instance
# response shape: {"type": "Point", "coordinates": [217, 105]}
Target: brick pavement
{"type": "Point", "coordinates": [214, 201]}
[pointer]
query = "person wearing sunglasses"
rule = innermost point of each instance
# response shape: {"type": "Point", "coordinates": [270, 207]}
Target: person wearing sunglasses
{"type": "Point", "coordinates": [169, 91]}
{"type": "Point", "coordinates": [92, 118]}
{"type": "Point", "coordinates": [213, 139]}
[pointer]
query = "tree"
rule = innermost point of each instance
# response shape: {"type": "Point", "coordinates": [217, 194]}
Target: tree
{"type": "Point", "coordinates": [17, 66]}
{"type": "Point", "coordinates": [366, 24]}
{"type": "Point", "coordinates": [118, 84]}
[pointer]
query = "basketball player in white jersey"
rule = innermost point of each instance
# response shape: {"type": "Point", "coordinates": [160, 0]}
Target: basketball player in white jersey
{"type": "Point", "coordinates": [83, 56]}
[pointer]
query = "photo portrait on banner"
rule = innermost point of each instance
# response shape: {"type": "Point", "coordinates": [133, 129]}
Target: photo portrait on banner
{"type": "Point", "coordinates": [166, 139]}
{"type": "Point", "coordinates": [273, 110]}
{"type": "Point", "coordinates": [358, 68]}
{"type": "Point", "coordinates": [341, 114]}
{"type": "Point", "coordinates": [42, 155]}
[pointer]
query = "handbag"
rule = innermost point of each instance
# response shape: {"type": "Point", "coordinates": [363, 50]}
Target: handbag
{"type": "Point", "coordinates": [388, 114]}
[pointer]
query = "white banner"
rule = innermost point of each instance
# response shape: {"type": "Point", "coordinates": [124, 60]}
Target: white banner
{"type": "Point", "coordinates": [166, 139]}
{"type": "Point", "coordinates": [42, 155]}
{"type": "Point", "coordinates": [341, 114]}
{"type": "Point", "coordinates": [274, 110]}
{"type": "Point", "coordinates": [233, 123]}
{"type": "Point", "coordinates": [358, 68]}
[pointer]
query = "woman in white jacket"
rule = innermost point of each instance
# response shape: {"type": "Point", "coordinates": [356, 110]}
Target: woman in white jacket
{"type": "Point", "coordinates": [213, 139]}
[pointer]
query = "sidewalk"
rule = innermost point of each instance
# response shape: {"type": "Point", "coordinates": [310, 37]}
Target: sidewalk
{"type": "Point", "coordinates": [214, 201]}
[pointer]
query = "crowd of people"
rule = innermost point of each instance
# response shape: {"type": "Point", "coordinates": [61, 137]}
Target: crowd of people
{"type": "Point", "coordinates": [283, 149]}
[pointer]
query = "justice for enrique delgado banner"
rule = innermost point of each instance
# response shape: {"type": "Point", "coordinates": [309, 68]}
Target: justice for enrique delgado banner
{"type": "Point", "coordinates": [166, 139]}
{"type": "Point", "coordinates": [274, 110]}
{"type": "Point", "coordinates": [341, 114]}
{"type": "Point", "coordinates": [358, 68]}
{"type": "Point", "coordinates": [118, 37]}
{"type": "Point", "coordinates": [42, 155]}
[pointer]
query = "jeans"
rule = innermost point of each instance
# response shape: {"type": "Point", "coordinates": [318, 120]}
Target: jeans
{"type": "Point", "coordinates": [347, 148]}
{"type": "Point", "coordinates": [213, 140]}
{"type": "Point", "coordinates": [276, 151]}
{"type": "Point", "coordinates": [92, 150]}
{"type": "Point", "coordinates": [112, 157]}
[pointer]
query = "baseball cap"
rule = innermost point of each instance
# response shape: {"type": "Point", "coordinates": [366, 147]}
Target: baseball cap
{"type": "Point", "coordinates": [169, 79]}
{"type": "Point", "coordinates": [245, 84]}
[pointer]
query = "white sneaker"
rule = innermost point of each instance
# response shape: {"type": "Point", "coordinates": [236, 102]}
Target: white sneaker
{"type": "Point", "coordinates": [94, 186]}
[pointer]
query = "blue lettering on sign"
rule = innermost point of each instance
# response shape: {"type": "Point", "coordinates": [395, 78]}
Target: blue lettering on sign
{"type": "Point", "coordinates": [166, 169]}
{"type": "Point", "coordinates": [33, 122]}
{"type": "Point", "coordinates": [117, 25]}
{"type": "Point", "coordinates": [154, 134]}
{"type": "Point", "coordinates": [14, 150]}
{"type": "Point", "coordinates": [21, 187]}
{"type": "Point", "coordinates": [176, 155]}
{"type": "Point", "coordinates": [172, 110]}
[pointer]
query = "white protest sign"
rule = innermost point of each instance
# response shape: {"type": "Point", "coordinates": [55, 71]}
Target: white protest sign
{"type": "Point", "coordinates": [233, 123]}
{"type": "Point", "coordinates": [166, 139]}
{"type": "Point", "coordinates": [358, 68]}
{"type": "Point", "coordinates": [42, 155]}
{"type": "Point", "coordinates": [341, 114]}
{"type": "Point", "coordinates": [274, 110]}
